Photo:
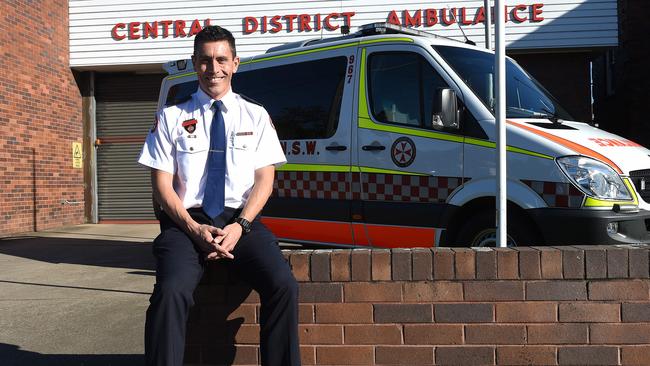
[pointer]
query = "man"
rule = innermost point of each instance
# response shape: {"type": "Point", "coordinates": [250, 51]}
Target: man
{"type": "Point", "coordinates": [213, 161]}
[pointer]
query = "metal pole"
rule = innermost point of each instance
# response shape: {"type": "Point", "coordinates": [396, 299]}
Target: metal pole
{"type": "Point", "coordinates": [488, 24]}
{"type": "Point", "coordinates": [500, 61]}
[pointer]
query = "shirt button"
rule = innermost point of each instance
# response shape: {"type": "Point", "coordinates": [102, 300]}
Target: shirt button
{"type": "Point", "coordinates": [191, 149]}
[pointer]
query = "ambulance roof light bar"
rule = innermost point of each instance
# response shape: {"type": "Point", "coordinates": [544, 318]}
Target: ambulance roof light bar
{"type": "Point", "coordinates": [178, 66]}
{"type": "Point", "coordinates": [389, 28]}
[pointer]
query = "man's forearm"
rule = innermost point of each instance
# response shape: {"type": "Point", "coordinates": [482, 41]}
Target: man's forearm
{"type": "Point", "coordinates": [260, 193]}
{"type": "Point", "coordinates": [169, 200]}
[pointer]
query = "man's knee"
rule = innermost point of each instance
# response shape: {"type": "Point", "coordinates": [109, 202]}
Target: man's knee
{"type": "Point", "coordinates": [175, 290]}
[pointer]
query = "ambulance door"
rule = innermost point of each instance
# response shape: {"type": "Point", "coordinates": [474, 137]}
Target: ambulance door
{"type": "Point", "coordinates": [407, 167]}
{"type": "Point", "coordinates": [309, 100]}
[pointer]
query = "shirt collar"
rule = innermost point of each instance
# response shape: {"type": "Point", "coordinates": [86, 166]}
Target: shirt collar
{"type": "Point", "coordinates": [205, 101]}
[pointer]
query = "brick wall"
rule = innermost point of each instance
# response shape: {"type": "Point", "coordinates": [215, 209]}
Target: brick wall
{"type": "Point", "coordinates": [537, 306]}
{"type": "Point", "coordinates": [40, 117]}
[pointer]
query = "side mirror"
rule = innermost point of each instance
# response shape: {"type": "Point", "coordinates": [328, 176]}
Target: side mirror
{"type": "Point", "coordinates": [448, 115]}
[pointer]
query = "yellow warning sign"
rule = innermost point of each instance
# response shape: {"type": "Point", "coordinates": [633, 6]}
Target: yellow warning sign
{"type": "Point", "coordinates": [77, 155]}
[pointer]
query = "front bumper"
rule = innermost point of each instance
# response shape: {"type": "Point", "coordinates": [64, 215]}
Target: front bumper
{"type": "Point", "coordinates": [589, 227]}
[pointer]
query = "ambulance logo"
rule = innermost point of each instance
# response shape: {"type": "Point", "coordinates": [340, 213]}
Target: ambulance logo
{"type": "Point", "coordinates": [403, 152]}
{"type": "Point", "coordinates": [189, 125]}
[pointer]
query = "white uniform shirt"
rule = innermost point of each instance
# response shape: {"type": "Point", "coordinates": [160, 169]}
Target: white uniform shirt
{"type": "Point", "coordinates": [251, 143]}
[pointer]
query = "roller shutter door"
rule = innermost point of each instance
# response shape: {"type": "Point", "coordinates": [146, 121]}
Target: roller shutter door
{"type": "Point", "coordinates": [126, 105]}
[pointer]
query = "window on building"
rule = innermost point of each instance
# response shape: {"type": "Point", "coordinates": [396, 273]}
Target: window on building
{"type": "Point", "coordinates": [303, 99]}
{"type": "Point", "coordinates": [403, 87]}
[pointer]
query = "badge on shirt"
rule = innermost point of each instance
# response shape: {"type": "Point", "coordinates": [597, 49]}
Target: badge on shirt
{"type": "Point", "coordinates": [189, 125]}
{"type": "Point", "coordinates": [247, 133]}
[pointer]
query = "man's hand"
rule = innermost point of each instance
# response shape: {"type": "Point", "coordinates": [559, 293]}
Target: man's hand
{"type": "Point", "coordinates": [209, 239]}
{"type": "Point", "coordinates": [232, 234]}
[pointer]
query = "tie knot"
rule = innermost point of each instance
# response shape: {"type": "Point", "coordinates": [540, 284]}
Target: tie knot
{"type": "Point", "coordinates": [216, 106]}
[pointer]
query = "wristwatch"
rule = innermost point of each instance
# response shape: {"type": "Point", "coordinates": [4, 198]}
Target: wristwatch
{"type": "Point", "coordinates": [245, 225]}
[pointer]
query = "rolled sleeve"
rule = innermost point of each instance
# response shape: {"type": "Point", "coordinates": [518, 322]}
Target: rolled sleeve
{"type": "Point", "coordinates": [269, 151]}
{"type": "Point", "coordinates": [158, 149]}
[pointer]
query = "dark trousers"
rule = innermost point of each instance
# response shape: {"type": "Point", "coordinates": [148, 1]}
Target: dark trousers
{"type": "Point", "coordinates": [179, 267]}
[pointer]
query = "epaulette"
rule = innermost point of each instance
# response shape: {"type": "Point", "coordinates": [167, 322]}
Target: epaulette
{"type": "Point", "coordinates": [250, 100]}
{"type": "Point", "coordinates": [179, 100]}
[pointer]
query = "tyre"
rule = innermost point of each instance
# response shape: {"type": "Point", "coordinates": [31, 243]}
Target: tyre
{"type": "Point", "coordinates": [480, 231]}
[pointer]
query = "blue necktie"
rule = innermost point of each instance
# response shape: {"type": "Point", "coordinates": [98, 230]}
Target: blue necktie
{"type": "Point", "coordinates": [213, 198]}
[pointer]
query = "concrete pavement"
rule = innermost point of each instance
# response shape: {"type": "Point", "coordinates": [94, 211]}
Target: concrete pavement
{"type": "Point", "coordinates": [75, 295]}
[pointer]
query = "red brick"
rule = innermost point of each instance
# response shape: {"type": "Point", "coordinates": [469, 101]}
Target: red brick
{"type": "Point", "coordinates": [465, 263]}
{"type": "Point", "coordinates": [588, 355]}
{"type": "Point", "coordinates": [638, 262]}
{"type": "Point", "coordinates": [526, 312]}
{"type": "Point", "coordinates": [566, 333]}
{"type": "Point", "coordinates": [529, 263]}
{"type": "Point", "coordinates": [619, 290]}
{"type": "Point", "coordinates": [617, 263]}
{"type": "Point", "coordinates": [551, 262]}
{"type": "Point", "coordinates": [556, 290]}
{"type": "Point", "coordinates": [360, 263]}
{"type": "Point", "coordinates": [589, 312]}
{"type": "Point", "coordinates": [351, 355]}
{"type": "Point", "coordinates": [493, 290]}
{"type": "Point", "coordinates": [635, 355]}
{"type": "Point", "coordinates": [507, 264]}
{"type": "Point", "coordinates": [404, 355]}
{"type": "Point", "coordinates": [299, 261]}
{"type": "Point", "coordinates": [320, 265]}
{"type": "Point", "coordinates": [340, 265]}
{"type": "Point", "coordinates": [308, 355]}
{"type": "Point", "coordinates": [526, 355]}
{"type": "Point", "coordinates": [486, 264]}
{"type": "Point", "coordinates": [306, 313]}
{"type": "Point", "coordinates": [433, 334]}
{"type": "Point", "coordinates": [464, 313]}
{"type": "Point", "coordinates": [495, 334]}
{"type": "Point", "coordinates": [243, 355]}
{"type": "Point", "coordinates": [620, 333]}
{"type": "Point", "coordinates": [192, 355]}
{"type": "Point", "coordinates": [320, 292]}
{"type": "Point", "coordinates": [321, 334]}
{"type": "Point", "coordinates": [236, 294]}
{"type": "Point", "coordinates": [573, 263]}
{"type": "Point", "coordinates": [373, 334]}
{"type": "Point", "coordinates": [372, 292]}
{"type": "Point", "coordinates": [381, 266]}
{"type": "Point", "coordinates": [401, 264]}
{"type": "Point", "coordinates": [422, 264]}
{"type": "Point", "coordinates": [246, 312]}
{"type": "Point", "coordinates": [595, 261]}
{"type": "Point", "coordinates": [443, 264]}
{"type": "Point", "coordinates": [433, 291]}
{"type": "Point", "coordinates": [635, 312]}
{"type": "Point", "coordinates": [403, 313]}
{"type": "Point", "coordinates": [346, 313]}
{"type": "Point", "coordinates": [210, 294]}
{"type": "Point", "coordinates": [470, 356]}
{"type": "Point", "coordinates": [248, 334]}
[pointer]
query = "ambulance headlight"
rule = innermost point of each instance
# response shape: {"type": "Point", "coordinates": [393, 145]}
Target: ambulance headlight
{"type": "Point", "coordinates": [594, 178]}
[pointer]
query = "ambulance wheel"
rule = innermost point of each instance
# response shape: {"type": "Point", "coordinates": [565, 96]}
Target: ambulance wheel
{"type": "Point", "coordinates": [480, 231]}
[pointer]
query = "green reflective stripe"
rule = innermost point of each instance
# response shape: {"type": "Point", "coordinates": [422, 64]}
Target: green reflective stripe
{"type": "Point", "coordinates": [365, 169]}
{"type": "Point", "coordinates": [396, 39]}
{"type": "Point", "coordinates": [314, 168]}
{"type": "Point", "coordinates": [363, 102]}
{"type": "Point", "coordinates": [305, 52]}
{"type": "Point", "coordinates": [370, 125]}
{"type": "Point", "coordinates": [595, 202]}
{"type": "Point", "coordinates": [471, 141]}
{"type": "Point", "coordinates": [528, 152]}
{"type": "Point", "coordinates": [181, 75]}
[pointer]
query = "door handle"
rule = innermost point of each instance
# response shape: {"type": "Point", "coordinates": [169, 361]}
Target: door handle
{"type": "Point", "coordinates": [373, 147]}
{"type": "Point", "coordinates": [336, 148]}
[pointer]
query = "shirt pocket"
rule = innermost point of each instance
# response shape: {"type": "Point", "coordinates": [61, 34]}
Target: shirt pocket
{"type": "Point", "coordinates": [185, 145]}
{"type": "Point", "coordinates": [191, 155]}
{"type": "Point", "coordinates": [244, 143]}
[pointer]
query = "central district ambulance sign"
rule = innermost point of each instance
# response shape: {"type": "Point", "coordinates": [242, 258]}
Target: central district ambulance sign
{"type": "Point", "coordinates": [123, 32]}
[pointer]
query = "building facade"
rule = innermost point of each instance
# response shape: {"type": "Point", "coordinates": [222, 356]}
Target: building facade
{"type": "Point", "coordinates": [91, 72]}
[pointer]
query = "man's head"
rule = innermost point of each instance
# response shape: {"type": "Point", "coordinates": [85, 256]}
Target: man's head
{"type": "Point", "coordinates": [215, 60]}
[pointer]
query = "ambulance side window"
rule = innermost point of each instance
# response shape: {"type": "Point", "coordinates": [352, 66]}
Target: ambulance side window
{"type": "Point", "coordinates": [180, 92]}
{"type": "Point", "coordinates": [303, 99]}
{"type": "Point", "coordinates": [402, 88]}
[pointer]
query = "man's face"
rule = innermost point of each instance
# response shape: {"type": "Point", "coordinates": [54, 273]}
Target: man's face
{"type": "Point", "coordinates": [214, 65]}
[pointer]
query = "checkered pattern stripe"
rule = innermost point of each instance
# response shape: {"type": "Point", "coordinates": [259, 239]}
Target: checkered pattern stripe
{"type": "Point", "coordinates": [557, 194]}
{"type": "Point", "coordinates": [318, 185]}
{"type": "Point", "coordinates": [407, 188]}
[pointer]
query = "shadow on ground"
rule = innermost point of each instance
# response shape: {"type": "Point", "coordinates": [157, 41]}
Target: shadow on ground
{"type": "Point", "coordinates": [90, 252]}
{"type": "Point", "coordinates": [12, 355]}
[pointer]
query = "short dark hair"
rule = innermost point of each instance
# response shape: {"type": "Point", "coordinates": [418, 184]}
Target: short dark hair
{"type": "Point", "coordinates": [213, 33]}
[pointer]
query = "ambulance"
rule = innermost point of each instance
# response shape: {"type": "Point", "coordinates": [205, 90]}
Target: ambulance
{"type": "Point", "coordinates": [389, 135]}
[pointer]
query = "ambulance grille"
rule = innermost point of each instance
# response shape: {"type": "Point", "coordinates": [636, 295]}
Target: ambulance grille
{"type": "Point", "coordinates": [641, 180]}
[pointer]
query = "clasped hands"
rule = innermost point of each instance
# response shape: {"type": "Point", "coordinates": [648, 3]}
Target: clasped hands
{"type": "Point", "coordinates": [217, 243]}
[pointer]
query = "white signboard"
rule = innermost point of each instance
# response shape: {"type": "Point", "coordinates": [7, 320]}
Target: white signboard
{"type": "Point", "coordinates": [124, 32]}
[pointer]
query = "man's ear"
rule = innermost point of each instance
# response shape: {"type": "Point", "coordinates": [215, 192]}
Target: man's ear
{"type": "Point", "coordinates": [236, 62]}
